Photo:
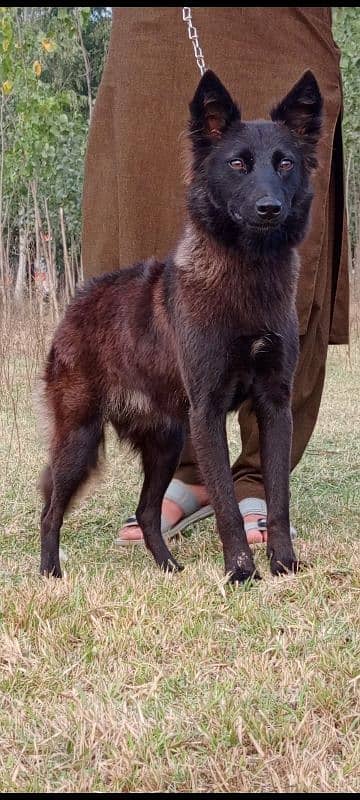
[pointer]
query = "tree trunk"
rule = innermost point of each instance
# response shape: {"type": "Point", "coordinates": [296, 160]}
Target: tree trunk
{"type": "Point", "coordinates": [69, 279]}
{"type": "Point", "coordinates": [21, 273]}
{"type": "Point", "coordinates": [86, 62]}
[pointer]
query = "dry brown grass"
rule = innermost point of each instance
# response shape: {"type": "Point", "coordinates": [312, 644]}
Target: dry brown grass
{"type": "Point", "coordinates": [121, 679]}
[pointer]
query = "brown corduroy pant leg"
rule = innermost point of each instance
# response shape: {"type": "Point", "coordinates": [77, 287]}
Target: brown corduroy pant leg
{"type": "Point", "coordinates": [133, 197]}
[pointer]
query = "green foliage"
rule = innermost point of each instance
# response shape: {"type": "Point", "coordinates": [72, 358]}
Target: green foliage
{"type": "Point", "coordinates": [61, 25]}
{"type": "Point", "coordinates": [346, 27]}
{"type": "Point", "coordinates": [46, 107]}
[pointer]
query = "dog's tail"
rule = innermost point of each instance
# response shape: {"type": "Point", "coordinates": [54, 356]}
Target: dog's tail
{"type": "Point", "coordinates": [42, 407]}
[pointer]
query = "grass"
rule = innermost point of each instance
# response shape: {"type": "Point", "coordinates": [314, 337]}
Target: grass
{"type": "Point", "coordinates": [121, 679]}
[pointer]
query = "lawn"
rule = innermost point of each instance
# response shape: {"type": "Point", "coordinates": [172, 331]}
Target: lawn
{"type": "Point", "coordinates": [119, 678]}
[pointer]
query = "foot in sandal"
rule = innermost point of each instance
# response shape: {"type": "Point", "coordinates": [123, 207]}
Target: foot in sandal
{"type": "Point", "coordinates": [184, 504]}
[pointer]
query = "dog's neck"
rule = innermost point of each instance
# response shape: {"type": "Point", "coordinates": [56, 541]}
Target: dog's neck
{"type": "Point", "coordinates": [212, 274]}
{"type": "Point", "coordinates": [202, 258]}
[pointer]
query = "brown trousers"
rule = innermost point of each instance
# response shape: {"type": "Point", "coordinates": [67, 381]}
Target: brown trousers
{"type": "Point", "coordinates": [133, 201]}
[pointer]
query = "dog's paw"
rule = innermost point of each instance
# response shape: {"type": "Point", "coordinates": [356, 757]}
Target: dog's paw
{"type": "Point", "coordinates": [285, 565]}
{"type": "Point", "coordinates": [171, 566]}
{"type": "Point", "coordinates": [243, 576]}
{"type": "Point", "coordinates": [50, 570]}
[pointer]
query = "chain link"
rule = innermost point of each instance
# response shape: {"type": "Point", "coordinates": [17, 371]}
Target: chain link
{"type": "Point", "coordinates": [193, 36]}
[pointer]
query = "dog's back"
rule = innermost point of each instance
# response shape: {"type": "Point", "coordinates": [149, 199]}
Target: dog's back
{"type": "Point", "coordinates": [101, 363]}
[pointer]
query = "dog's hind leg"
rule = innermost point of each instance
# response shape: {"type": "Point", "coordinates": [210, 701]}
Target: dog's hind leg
{"type": "Point", "coordinates": [46, 487]}
{"type": "Point", "coordinates": [160, 456]}
{"type": "Point", "coordinates": [75, 456]}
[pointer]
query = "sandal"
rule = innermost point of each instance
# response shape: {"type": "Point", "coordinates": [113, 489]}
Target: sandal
{"type": "Point", "coordinates": [184, 497]}
{"type": "Point", "coordinates": [253, 506]}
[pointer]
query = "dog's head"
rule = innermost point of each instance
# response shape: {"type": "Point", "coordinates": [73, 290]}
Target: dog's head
{"type": "Point", "coordinates": [252, 178]}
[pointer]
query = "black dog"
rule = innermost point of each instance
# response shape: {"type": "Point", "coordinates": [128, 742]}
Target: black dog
{"type": "Point", "coordinates": [161, 348]}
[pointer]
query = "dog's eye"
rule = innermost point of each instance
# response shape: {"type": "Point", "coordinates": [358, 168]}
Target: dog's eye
{"type": "Point", "coordinates": [285, 165]}
{"type": "Point", "coordinates": [238, 164]}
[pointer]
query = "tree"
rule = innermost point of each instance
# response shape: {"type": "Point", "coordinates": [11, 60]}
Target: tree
{"type": "Point", "coordinates": [346, 27]}
{"type": "Point", "coordinates": [47, 92]}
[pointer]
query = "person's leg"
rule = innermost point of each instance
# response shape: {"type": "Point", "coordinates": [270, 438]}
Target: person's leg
{"type": "Point", "coordinates": [133, 197]}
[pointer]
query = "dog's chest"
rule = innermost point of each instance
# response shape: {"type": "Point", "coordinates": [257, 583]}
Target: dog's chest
{"type": "Point", "coordinates": [246, 358]}
{"type": "Point", "coordinates": [224, 290]}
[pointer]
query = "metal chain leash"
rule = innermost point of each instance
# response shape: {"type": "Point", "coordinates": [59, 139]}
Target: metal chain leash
{"type": "Point", "coordinates": [193, 36]}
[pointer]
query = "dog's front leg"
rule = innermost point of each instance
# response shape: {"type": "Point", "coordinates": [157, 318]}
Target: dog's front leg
{"type": "Point", "coordinates": [273, 411]}
{"type": "Point", "coordinates": [208, 431]}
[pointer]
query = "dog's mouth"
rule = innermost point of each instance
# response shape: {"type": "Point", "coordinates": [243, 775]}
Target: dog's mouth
{"type": "Point", "coordinates": [264, 227]}
{"type": "Point", "coordinates": [260, 227]}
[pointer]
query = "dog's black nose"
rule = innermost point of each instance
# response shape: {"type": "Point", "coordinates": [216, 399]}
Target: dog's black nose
{"type": "Point", "coordinates": [268, 207]}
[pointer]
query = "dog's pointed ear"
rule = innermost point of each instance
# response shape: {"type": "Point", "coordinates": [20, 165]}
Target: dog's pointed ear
{"type": "Point", "coordinates": [212, 109]}
{"type": "Point", "coordinates": [301, 111]}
